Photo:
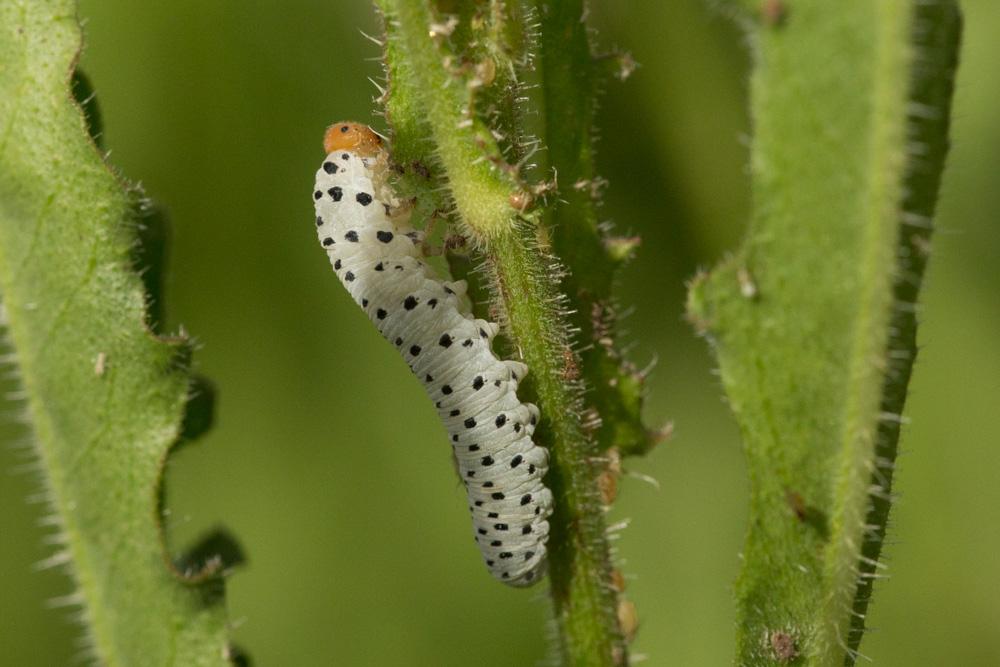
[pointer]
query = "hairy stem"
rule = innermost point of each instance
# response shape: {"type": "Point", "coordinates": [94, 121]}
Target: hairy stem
{"type": "Point", "coordinates": [580, 572]}
{"type": "Point", "coordinates": [440, 88]}
{"type": "Point", "coordinates": [570, 78]}
{"type": "Point", "coordinates": [813, 320]}
{"type": "Point", "coordinates": [466, 149]}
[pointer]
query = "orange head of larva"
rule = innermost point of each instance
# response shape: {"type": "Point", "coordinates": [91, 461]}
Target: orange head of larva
{"type": "Point", "coordinates": [354, 137]}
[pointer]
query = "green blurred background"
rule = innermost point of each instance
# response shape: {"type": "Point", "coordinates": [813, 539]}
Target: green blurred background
{"type": "Point", "coordinates": [218, 109]}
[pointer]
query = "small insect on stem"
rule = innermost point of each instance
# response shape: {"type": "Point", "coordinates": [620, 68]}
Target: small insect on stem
{"type": "Point", "coordinates": [100, 364]}
{"type": "Point", "coordinates": [748, 288]}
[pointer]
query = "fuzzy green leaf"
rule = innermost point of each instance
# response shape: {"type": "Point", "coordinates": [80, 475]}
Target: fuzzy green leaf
{"type": "Point", "coordinates": [106, 398]}
{"type": "Point", "coordinates": [813, 320]}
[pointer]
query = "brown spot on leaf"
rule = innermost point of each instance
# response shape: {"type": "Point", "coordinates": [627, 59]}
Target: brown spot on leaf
{"type": "Point", "coordinates": [783, 645]}
{"type": "Point", "coordinates": [773, 12]}
{"type": "Point", "coordinates": [571, 369]}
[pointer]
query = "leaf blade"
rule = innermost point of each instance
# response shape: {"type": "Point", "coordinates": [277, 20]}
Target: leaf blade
{"type": "Point", "coordinates": [105, 396]}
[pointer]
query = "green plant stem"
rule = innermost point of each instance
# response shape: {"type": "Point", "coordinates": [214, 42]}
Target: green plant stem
{"type": "Point", "coordinates": [936, 29]}
{"type": "Point", "coordinates": [482, 186]}
{"type": "Point", "coordinates": [467, 150]}
{"type": "Point", "coordinates": [579, 563]}
{"type": "Point", "coordinates": [570, 78]}
{"type": "Point", "coordinates": [813, 320]}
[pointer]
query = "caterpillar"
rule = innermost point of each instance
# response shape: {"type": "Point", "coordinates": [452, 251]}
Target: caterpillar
{"type": "Point", "coordinates": [378, 257]}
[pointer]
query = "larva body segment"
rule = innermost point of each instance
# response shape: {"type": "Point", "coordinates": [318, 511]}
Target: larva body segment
{"type": "Point", "coordinates": [378, 258]}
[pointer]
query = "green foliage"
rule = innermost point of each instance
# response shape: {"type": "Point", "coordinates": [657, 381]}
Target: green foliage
{"type": "Point", "coordinates": [671, 147]}
{"type": "Point", "coordinates": [106, 398]}
{"type": "Point", "coordinates": [813, 320]}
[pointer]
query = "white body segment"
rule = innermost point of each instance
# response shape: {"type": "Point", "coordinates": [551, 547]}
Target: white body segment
{"type": "Point", "coordinates": [378, 258]}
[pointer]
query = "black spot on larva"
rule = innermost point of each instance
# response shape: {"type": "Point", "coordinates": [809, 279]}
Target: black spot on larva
{"type": "Point", "coordinates": [410, 302]}
{"type": "Point", "coordinates": [438, 405]}
{"type": "Point", "coordinates": [483, 334]}
{"type": "Point", "coordinates": [337, 265]}
{"type": "Point", "coordinates": [496, 383]}
{"type": "Point", "coordinates": [525, 499]}
{"type": "Point", "coordinates": [454, 438]}
{"type": "Point", "coordinates": [317, 195]}
{"type": "Point", "coordinates": [534, 420]}
{"type": "Point", "coordinates": [470, 423]}
{"type": "Point", "coordinates": [429, 377]}
{"type": "Point", "coordinates": [349, 276]}
{"type": "Point", "coordinates": [496, 543]}
{"type": "Point", "coordinates": [488, 485]}
{"type": "Point", "coordinates": [414, 350]}
{"type": "Point", "coordinates": [445, 341]}
{"type": "Point", "coordinates": [505, 554]}
{"type": "Point", "coordinates": [471, 473]}
{"type": "Point", "coordinates": [330, 167]}
{"type": "Point", "coordinates": [351, 236]}
{"type": "Point", "coordinates": [384, 237]}
{"type": "Point", "coordinates": [477, 384]}
{"type": "Point", "coordinates": [345, 156]}
{"type": "Point", "coordinates": [531, 468]}
{"type": "Point", "coordinates": [432, 303]}
{"type": "Point", "coordinates": [344, 129]}
{"type": "Point", "coordinates": [526, 530]}
{"type": "Point", "coordinates": [478, 503]}
{"type": "Point", "coordinates": [538, 510]}
{"type": "Point", "coordinates": [398, 267]}
{"type": "Point", "coordinates": [454, 413]}
{"type": "Point", "coordinates": [328, 241]}
{"type": "Point", "coordinates": [467, 343]}
{"type": "Point", "coordinates": [528, 555]}
{"type": "Point", "coordinates": [513, 375]}
{"type": "Point", "coordinates": [505, 575]}
{"type": "Point", "coordinates": [398, 341]}
{"type": "Point", "coordinates": [319, 220]}
{"type": "Point", "coordinates": [517, 427]}
{"type": "Point", "coordinates": [364, 303]}
{"type": "Point", "coordinates": [500, 420]}
{"type": "Point", "coordinates": [449, 290]}
{"type": "Point", "coordinates": [473, 448]}
{"type": "Point", "coordinates": [500, 526]}
{"type": "Point", "coordinates": [493, 515]}
{"type": "Point", "coordinates": [498, 495]}
{"type": "Point", "coordinates": [489, 563]}
{"type": "Point", "coordinates": [482, 531]}
{"type": "Point", "coordinates": [516, 461]}
{"type": "Point", "coordinates": [379, 267]}
{"type": "Point", "coordinates": [336, 193]}
{"type": "Point", "coordinates": [446, 389]}
{"type": "Point", "coordinates": [380, 313]}
{"type": "Point", "coordinates": [529, 575]}
{"type": "Point", "coordinates": [487, 460]}
{"type": "Point", "coordinates": [364, 198]}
